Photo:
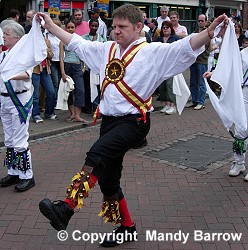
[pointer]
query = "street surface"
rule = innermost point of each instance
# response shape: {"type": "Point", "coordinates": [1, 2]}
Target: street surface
{"type": "Point", "coordinates": [174, 205]}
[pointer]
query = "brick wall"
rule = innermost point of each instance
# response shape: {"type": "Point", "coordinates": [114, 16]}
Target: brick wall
{"type": "Point", "coordinates": [245, 16]}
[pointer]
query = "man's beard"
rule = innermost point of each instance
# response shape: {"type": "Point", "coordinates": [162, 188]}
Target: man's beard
{"type": "Point", "coordinates": [78, 21]}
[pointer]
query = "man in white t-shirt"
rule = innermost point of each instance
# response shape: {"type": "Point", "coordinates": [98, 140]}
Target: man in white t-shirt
{"type": "Point", "coordinates": [164, 10]}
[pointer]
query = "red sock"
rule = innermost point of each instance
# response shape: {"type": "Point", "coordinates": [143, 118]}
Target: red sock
{"type": "Point", "coordinates": [70, 202]}
{"type": "Point", "coordinates": [127, 221]}
{"type": "Point", "coordinates": [92, 182]}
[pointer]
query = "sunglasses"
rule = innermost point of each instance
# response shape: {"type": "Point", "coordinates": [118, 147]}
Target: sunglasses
{"type": "Point", "coordinates": [165, 28]}
{"type": "Point", "coordinates": [201, 21]}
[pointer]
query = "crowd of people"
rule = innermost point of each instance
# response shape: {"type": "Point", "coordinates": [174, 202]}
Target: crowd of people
{"type": "Point", "coordinates": [80, 52]}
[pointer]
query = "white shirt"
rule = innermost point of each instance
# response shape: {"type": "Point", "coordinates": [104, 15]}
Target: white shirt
{"type": "Point", "coordinates": [18, 85]}
{"type": "Point", "coordinates": [102, 29]}
{"type": "Point", "coordinates": [54, 45]}
{"type": "Point", "coordinates": [181, 30]}
{"type": "Point", "coordinates": [152, 64]}
{"type": "Point", "coordinates": [160, 21]}
{"type": "Point", "coordinates": [244, 59]}
{"type": "Point", "coordinates": [1, 37]}
{"type": "Point", "coordinates": [146, 28]}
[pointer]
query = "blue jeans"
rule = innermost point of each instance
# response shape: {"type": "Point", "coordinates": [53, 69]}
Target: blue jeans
{"type": "Point", "coordinates": [56, 76]}
{"type": "Point", "coordinates": [77, 96]}
{"type": "Point", "coordinates": [45, 79]}
{"type": "Point", "coordinates": [197, 84]}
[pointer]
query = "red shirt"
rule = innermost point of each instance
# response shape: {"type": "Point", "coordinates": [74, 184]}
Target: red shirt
{"type": "Point", "coordinates": [82, 28]}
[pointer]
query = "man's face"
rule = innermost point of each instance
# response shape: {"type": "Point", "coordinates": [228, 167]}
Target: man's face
{"type": "Point", "coordinates": [125, 32]}
{"type": "Point", "coordinates": [202, 21]}
{"type": "Point", "coordinates": [163, 13]}
{"type": "Point", "coordinates": [174, 19]}
{"type": "Point", "coordinates": [94, 15]}
{"type": "Point", "coordinates": [245, 44]}
{"type": "Point", "coordinates": [150, 24]}
{"type": "Point", "coordinates": [9, 39]}
{"type": "Point", "coordinates": [78, 17]}
{"type": "Point", "coordinates": [29, 17]}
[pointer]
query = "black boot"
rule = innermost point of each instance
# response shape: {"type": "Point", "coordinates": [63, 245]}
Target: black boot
{"type": "Point", "coordinates": [58, 212]}
{"type": "Point", "coordinates": [140, 144]}
{"type": "Point", "coordinates": [9, 180]}
{"type": "Point", "coordinates": [128, 234]}
{"type": "Point", "coordinates": [24, 185]}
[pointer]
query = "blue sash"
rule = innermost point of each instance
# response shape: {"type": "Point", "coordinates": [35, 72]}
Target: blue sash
{"type": "Point", "coordinates": [22, 110]}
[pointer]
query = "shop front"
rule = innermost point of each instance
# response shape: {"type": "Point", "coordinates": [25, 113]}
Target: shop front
{"type": "Point", "coordinates": [66, 8]}
{"type": "Point", "coordinates": [218, 7]}
{"type": "Point", "coordinates": [188, 10]}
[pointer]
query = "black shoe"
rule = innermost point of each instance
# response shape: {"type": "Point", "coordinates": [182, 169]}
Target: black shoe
{"type": "Point", "coordinates": [9, 180]}
{"type": "Point", "coordinates": [128, 234]}
{"type": "Point", "coordinates": [58, 212]}
{"type": "Point", "coordinates": [24, 185]}
{"type": "Point", "coordinates": [141, 144]}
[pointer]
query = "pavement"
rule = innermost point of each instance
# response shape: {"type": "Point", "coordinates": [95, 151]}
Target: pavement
{"type": "Point", "coordinates": [174, 205]}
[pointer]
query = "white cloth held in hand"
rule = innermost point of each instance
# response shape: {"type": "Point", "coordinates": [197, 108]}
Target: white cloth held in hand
{"type": "Point", "coordinates": [28, 52]}
{"type": "Point", "coordinates": [63, 93]}
{"type": "Point", "coordinates": [94, 81]}
{"type": "Point", "coordinates": [181, 90]}
{"type": "Point", "coordinates": [228, 74]}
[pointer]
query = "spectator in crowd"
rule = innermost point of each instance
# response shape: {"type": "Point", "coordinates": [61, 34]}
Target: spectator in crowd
{"type": "Point", "coordinates": [29, 18]}
{"type": "Point", "coordinates": [197, 69]}
{"type": "Point", "coordinates": [164, 10]}
{"type": "Point", "coordinates": [167, 35]}
{"type": "Point", "coordinates": [102, 29]}
{"type": "Point", "coordinates": [16, 100]}
{"type": "Point", "coordinates": [239, 33]}
{"type": "Point", "coordinates": [55, 65]}
{"type": "Point", "coordinates": [42, 77]}
{"type": "Point", "coordinates": [145, 28]}
{"type": "Point", "coordinates": [71, 65]}
{"type": "Point", "coordinates": [14, 16]}
{"type": "Point", "coordinates": [91, 80]}
{"type": "Point", "coordinates": [180, 30]}
{"type": "Point", "coordinates": [130, 70]}
{"type": "Point", "coordinates": [82, 27]}
{"type": "Point", "coordinates": [154, 31]}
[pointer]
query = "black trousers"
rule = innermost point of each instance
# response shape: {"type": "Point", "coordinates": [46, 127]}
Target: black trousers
{"type": "Point", "coordinates": [117, 136]}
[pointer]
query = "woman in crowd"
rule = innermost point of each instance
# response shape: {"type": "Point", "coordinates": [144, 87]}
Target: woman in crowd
{"type": "Point", "coordinates": [167, 35]}
{"type": "Point", "coordinates": [239, 33]}
{"type": "Point", "coordinates": [71, 65]}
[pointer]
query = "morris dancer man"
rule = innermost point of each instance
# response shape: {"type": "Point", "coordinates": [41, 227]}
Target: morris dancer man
{"type": "Point", "coordinates": [16, 105]}
{"type": "Point", "coordinates": [128, 82]}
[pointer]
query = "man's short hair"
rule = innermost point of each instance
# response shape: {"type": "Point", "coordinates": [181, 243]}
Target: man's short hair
{"type": "Point", "coordinates": [95, 10]}
{"type": "Point", "coordinates": [130, 12]}
{"type": "Point", "coordinates": [16, 29]}
{"type": "Point", "coordinates": [155, 22]}
{"type": "Point", "coordinates": [166, 8]}
{"type": "Point", "coordinates": [77, 10]}
{"type": "Point", "coordinates": [13, 13]}
{"type": "Point", "coordinates": [174, 13]}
